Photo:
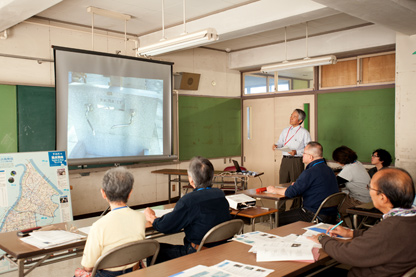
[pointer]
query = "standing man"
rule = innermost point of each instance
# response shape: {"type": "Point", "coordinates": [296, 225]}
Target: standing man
{"type": "Point", "coordinates": [316, 183]}
{"type": "Point", "coordinates": [295, 138]}
{"type": "Point", "coordinates": [388, 248]}
{"type": "Point", "coordinates": [196, 212]}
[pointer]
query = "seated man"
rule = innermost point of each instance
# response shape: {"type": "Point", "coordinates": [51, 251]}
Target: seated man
{"type": "Point", "coordinates": [314, 184]}
{"type": "Point", "coordinates": [196, 212]}
{"type": "Point", "coordinates": [120, 226]}
{"type": "Point", "coordinates": [388, 248]}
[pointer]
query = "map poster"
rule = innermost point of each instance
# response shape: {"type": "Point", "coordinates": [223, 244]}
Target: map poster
{"type": "Point", "coordinates": [34, 191]}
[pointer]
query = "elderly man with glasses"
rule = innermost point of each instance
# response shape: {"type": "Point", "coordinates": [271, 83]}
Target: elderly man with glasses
{"type": "Point", "coordinates": [314, 184]}
{"type": "Point", "coordinates": [388, 248]}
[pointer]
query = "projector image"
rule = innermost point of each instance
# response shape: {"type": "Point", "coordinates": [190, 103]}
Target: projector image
{"type": "Point", "coordinates": [239, 201]}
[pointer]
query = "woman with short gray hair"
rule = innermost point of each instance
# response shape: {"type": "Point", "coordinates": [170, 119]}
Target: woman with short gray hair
{"type": "Point", "coordinates": [120, 226]}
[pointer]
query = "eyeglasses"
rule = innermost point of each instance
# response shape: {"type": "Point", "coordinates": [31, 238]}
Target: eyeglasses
{"type": "Point", "coordinates": [374, 156]}
{"type": "Point", "coordinates": [368, 187]}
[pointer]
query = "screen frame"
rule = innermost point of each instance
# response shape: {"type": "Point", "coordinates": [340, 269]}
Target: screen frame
{"type": "Point", "coordinates": [62, 115]}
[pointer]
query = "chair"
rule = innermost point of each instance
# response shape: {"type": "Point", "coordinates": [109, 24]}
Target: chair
{"type": "Point", "coordinates": [234, 188]}
{"type": "Point", "coordinates": [127, 254]}
{"type": "Point", "coordinates": [410, 273]}
{"type": "Point", "coordinates": [222, 231]}
{"type": "Point", "coordinates": [334, 200]}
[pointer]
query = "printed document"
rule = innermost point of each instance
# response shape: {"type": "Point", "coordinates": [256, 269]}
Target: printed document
{"type": "Point", "coordinates": [225, 269]}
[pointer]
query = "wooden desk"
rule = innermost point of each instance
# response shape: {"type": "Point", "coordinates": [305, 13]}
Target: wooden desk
{"type": "Point", "coordinates": [174, 176]}
{"type": "Point", "coordinates": [271, 196]}
{"type": "Point", "coordinates": [26, 255]}
{"type": "Point", "coordinates": [255, 212]}
{"type": "Point", "coordinates": [366, 210]}
{"type": "Point", "coordinates": [238, 252]}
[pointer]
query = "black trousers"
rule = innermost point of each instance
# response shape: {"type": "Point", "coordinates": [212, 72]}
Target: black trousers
{"type": "Point", "coordinates": [290, 169]}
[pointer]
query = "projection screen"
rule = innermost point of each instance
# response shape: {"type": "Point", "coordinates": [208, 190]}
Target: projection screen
{"type": "Point", "coordinates": [112, 108]}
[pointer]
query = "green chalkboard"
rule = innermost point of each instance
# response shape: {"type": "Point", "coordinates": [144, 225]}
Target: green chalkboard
{"type": "Point", "coordinates": [36, 118]}
{"type": "Point", "coordinates": [362, 120]}
{"type": "Point", "coordinates": [209, 127]}
{"type": "Point", "coordinates": [8, 125]}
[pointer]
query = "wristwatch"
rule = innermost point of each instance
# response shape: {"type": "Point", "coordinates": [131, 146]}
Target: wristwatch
{"type": "Point", "coordinates": [320, 237]}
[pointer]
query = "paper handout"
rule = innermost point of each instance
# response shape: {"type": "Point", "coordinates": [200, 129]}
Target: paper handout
{"type": "Point", "coordinates": [284, 149]}
{"type": "Point", "coordinates": [225, 268]}
{"type": "Point", "coordinates": [49, 239]}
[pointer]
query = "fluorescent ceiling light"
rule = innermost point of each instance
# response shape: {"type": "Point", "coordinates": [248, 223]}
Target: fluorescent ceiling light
{"type": "Point", "coordinates": [108, 13]}
{"type": "Point", "coordinates": [285, 65]}
{"type": "Point", "coordinates": [179, 43]}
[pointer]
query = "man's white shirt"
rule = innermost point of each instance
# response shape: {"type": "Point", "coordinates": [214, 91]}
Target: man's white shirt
{"type": "Point", "coordinates": [294, 138]}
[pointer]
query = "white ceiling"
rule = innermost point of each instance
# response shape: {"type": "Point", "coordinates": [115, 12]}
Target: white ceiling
{"type": "Point", "coordinates": [241, 24]}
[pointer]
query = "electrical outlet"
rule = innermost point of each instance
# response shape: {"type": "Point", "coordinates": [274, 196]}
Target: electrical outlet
{"type": "Point", "coordinates": [173, 187]}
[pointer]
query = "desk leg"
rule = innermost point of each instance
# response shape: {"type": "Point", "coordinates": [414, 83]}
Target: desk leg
{"type": "Point", "coordinates": [180, 187]}
{"type": "Point", "coordinates": [354, 221]}
{"type": "Point", "coordinates": [20, 263]}
{"type": "Point", "coordinates": [252, 224]}
{"type": "Point", "coordinates": [21, 268]}
{"type": "Point", "coordinates": [235, 185]}
{"type": "Point", "coordinates": [169, 187]}
{"type": "Point", "coordinates": [276, 221]}
{"type": "Point", "coordinates": [271, 221]}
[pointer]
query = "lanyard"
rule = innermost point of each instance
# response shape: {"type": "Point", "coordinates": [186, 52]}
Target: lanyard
{"type": "Point", "coordinates": [118, 208]}
{"type": "Point", "coordinates": [203, 188]}
{"type": "Point", "coordinates": [317, 163]}
{"type": "Point", "coordinates": [286, 141]}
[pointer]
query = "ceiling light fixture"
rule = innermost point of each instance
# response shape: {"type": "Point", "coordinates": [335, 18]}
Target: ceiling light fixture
{"type": "Point", "coordinates": [286, 65]}
{"type": "Point", "coordinates": [325, 60]}
{"type": "Point", "coordinates": [107, 13]}
{"type": "Point", "coordinates": [179, 43]}
{"type": "Point", "coordinates": [184, 41]}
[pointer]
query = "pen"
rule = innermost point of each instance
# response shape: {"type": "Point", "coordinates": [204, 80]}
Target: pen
{"type": "Point", "coordinates": [336, 225]}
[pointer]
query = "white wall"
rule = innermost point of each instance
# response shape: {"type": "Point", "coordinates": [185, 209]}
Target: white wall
{"type": "Point", "coordinates": [406, 102]}
{"type": "Point", "coordinates": [35, 38]}
{"type": "Point", "coordinates": [355, 39]}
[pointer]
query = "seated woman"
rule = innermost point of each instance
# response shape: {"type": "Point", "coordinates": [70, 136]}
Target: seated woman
{"type": "Point", "coordinates": [354, 176]}
{"type": "Point", "coordinates": [120, 226]}
{"type": "Point", "coordinates": [380, 158]}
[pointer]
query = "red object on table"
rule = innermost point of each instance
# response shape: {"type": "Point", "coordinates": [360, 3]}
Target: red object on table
{"type": "Point", "coordinates": [261, 189]}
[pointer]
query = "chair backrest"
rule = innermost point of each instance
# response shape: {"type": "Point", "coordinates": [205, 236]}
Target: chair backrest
{"type": "Point", "coordinates": [410, 273]}
{"type": "Point", "coordinates": [334, 200]}
{"type": "Point", "coordinates": [232, 168]}
{"type": "Point", "coordinates": [222, 231]}
{"type": "Point", "coordinates": [127, 254]}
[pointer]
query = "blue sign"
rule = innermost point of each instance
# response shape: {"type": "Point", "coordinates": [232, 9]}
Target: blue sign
{"type": "Point", "coordinates": [57, 158]}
